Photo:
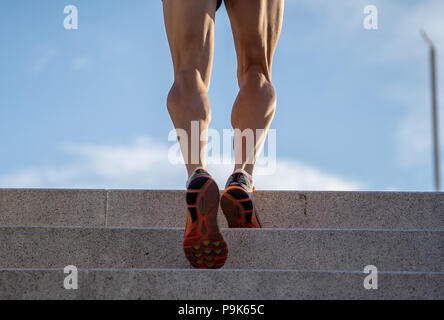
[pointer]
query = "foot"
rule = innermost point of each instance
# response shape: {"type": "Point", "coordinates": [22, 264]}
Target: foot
{"type": "Point", "coordinates": [203, 243]}
{"type": "Point", "coordinates": [237, 201]}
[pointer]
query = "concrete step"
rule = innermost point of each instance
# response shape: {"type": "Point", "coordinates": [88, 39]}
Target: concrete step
{"type": "Point", "coordinates": [217, 284]}
{"type": "Point", "coordinates": [314, 249]}
{"type": "Point", "coordinates": [278, 209]}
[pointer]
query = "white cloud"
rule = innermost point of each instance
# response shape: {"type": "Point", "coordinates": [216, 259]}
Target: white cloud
{"type": "Point", "coordinates": [80, 62]}
{"type": "Point", "coordinates": [143, 163]}
{"type": "Point", "coordinates": [292, 175]}
{"type": "Point", "coordinates": [44, 59]}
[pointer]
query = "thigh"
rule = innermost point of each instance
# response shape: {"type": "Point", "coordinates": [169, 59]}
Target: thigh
{"type": "Point", "coordinates": [256, 25]}
{"type": "Point", "coordinates": [190, 28]}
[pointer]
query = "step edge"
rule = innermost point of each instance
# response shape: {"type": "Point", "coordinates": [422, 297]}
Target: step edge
{"type": "Point", "coordinates": [387, 272]}
{"type": "Point", "coordinates": [75, 227]}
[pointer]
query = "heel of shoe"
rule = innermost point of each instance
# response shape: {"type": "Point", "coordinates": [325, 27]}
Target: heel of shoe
{"type": "Point", "coordinates": [238, 208]}
{"type": "Point", "coordinates": [204, 245]}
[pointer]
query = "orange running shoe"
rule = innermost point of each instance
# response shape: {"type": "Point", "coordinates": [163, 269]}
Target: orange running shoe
{"type": "Point", "coordinates": [203, 243]}
{"type": "Point", "coordinates": [237, 202]}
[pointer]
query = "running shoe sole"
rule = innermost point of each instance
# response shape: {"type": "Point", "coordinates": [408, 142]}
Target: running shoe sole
{"type": "Point", "coordinates": [203, 244]}
{"type": "Point", "coordinates": [238, 208]}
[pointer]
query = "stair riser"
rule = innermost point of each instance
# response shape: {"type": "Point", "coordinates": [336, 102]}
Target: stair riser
{"type": "Point", "coordinates": [256, 249]}
{"type": "Point", "coordinates": [235, 285]}
{"type": "Point", "coordinates": [278, 209]}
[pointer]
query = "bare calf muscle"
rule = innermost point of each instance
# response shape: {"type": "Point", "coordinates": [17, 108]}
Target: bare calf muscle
{"type": "Point", "coordinates": [190, 30]}
{"type": "Point", "coordinates": [256, 25]}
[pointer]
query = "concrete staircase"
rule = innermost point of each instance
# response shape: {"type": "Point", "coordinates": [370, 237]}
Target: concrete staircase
{"type": "Point", "coordinates": [128, 245]}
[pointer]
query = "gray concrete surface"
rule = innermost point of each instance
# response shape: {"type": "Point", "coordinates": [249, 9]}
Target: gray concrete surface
{"type": "Point", "coordinates": [220, 284]}
{"type": "Point", "coordinates": [40, 247]}
{"type": "Point", "coordinates": [291, 209]}
{"type": "Point", "coordinates": [313, 234]}
{"type": "Point", "coordinates": [278, 209]}
{"type": "Point", "coordinates": [28, 207]}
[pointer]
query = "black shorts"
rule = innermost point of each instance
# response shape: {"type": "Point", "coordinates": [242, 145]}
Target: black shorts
{"type": "Point", "coordinates": [219, 2]}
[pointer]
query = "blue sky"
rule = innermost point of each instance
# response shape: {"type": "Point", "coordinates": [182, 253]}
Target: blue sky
{"type": "Point", "coordinates": [86, 107]}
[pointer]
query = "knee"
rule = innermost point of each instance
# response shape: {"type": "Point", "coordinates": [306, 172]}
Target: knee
{"type": "Point", "coordinates": [188, 96]}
